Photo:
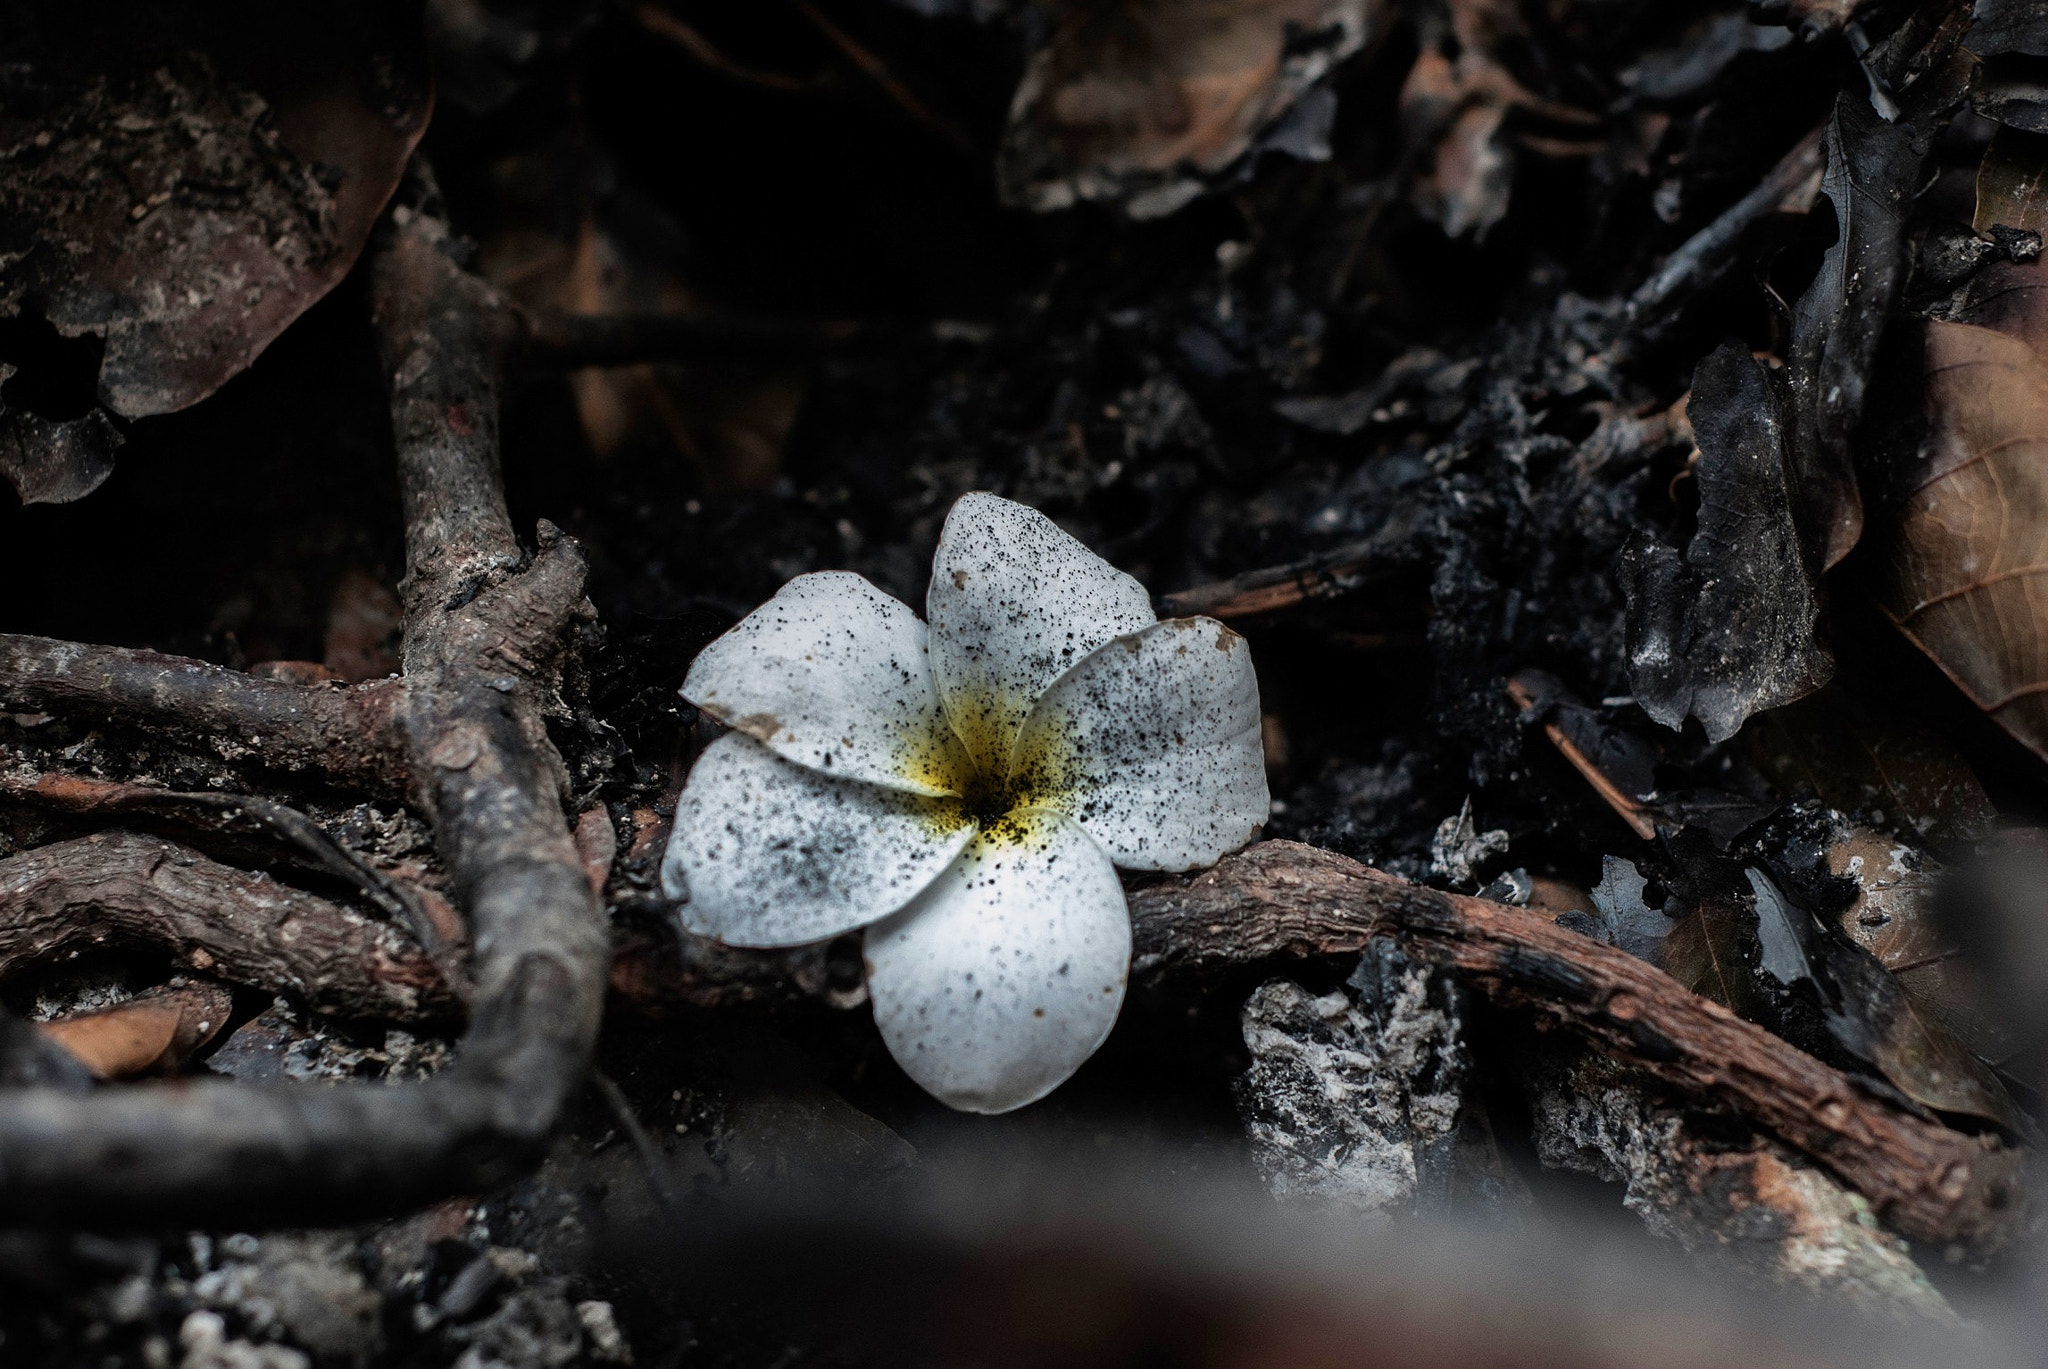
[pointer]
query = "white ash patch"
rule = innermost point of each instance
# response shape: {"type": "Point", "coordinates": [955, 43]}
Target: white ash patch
{"type": "Point", "coordinates": [1346, 1106]}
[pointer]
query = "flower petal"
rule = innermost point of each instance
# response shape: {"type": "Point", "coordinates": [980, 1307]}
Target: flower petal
{"type": "Point", "coordinates": [1014, 602]}
{"type": "Point", "coordinates": [1152, 744]}
{"type": "Point", "coordinates": [833, 674]}
{"type": "Point", "coordinates": [1006, 974]}
{"type": "Point", "coordinates": [769, 853]}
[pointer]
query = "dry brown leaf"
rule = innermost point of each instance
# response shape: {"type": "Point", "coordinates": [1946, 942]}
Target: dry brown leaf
{"type": "Point", "coordinates": [1453, 109]}
{"type": "Point", "coordinates": [184, 182]}
{"type": "Point", "coordinates": [1968, 565]}
{"type": "Point", "coordinates": [1859, 758]}
{"type": "Point", "coordinates": [1705, 951]}
{"type": "Point", "coordinates": [154, 1032]}
{"type": "Point", "coordinates": [1918, 1022]}
{"type": "Point", "coordinates": [1893, 918]}
{"type": "Point", "coordinates": [1136, 103]}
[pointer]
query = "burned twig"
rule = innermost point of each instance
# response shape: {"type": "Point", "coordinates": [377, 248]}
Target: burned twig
{"type": "Point", "coordinates": [483, 632]}
{"type": "Point", "coordinates": [877, 71]}
{"type": "Point", "coordinates": [1706, 250]}
{"type": "Point", "coordinates": [1626, 806]}
{"type": "Point", "coordinates": [707, 54]}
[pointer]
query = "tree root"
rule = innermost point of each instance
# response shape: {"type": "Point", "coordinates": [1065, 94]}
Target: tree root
{"type": "Point", "coordinates": [462, 736]}
{"type": "Point", "coordinates": [330, 732]}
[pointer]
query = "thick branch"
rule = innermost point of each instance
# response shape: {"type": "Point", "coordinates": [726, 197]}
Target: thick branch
{"type": "Point", "coordinates": [659, 976]}
{"type": "Point", "coordinates": [123, 891]}
{"type": "Point", "coordinates": [1283, 899]}
{"type": "Point", "coordinates": [440, 332]}
{"type": "Point", "coordinates": [338, 733]}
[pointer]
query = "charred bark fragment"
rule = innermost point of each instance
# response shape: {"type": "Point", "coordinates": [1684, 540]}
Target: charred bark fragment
{"type": "Point", "coordinates": [1744, 1204]}
{"type": "Point", "coordinates": [462, 732]}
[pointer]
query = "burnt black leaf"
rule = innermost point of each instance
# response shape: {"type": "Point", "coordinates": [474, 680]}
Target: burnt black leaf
{"type": "Point", "coordinates": [1874, 168]}
{"type": "Point", "coordinates": [1781, 932]}
{"type": "Point", "coordinates": [53, 461]}
{"type": "Point", "coordinates": [1727, 629]}
{"type": "Point", "coordinates": [1626, 920]}
{"type": "Point", "coordinates": [2012, 84]}
{"type": "Point", "coordinates": [1821, 918]}
{"type": "Point", "coordinates": [1875, 1019]}
{"type": "Point", "coordinates": [2002, 26]}
{"type": "Point", "coordinates": [2013, 89]}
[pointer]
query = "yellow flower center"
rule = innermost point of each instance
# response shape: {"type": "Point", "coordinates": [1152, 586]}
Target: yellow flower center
{"type": "Point", "coordinates": [993, 788]}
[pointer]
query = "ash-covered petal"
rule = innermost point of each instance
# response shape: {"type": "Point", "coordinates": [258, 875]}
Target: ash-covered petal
{"type": "Point", "coordinates": [1008, 971]}
{"type": "Point", "coordinates": [769, 853]}
{"type": "Point", "coordinates": [1152, 745]}
{"type": "Point", "coordinates": [1014, 602]}
{"type": "Point", "coordinates": [833, 674]}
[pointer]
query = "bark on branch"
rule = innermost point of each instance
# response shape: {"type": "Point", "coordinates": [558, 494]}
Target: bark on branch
{"type": "Point", "coordinates": [257, 831]}
{"type": "Point", "coordinates": [334, 732]}
{"type": "Point", "coordinates": [120, 890]}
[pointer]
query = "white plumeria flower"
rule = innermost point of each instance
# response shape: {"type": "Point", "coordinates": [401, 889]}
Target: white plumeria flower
{"type": "Point", "coordinates": [964, 791]}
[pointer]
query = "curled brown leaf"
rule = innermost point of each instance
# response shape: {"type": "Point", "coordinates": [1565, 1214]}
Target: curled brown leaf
{"type": "Point", "coordinates": [1136, 103]}
{"type": "Point", "coordinates": [1967, 572]}
{"type": "Point", "coordinates": [153, 1032]}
